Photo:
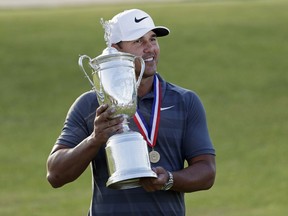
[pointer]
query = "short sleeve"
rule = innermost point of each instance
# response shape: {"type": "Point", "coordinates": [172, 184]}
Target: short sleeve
{"type": "Point", "coordinates": [79, 120]}
{"type": "Point", "coordinates": [196, 138]}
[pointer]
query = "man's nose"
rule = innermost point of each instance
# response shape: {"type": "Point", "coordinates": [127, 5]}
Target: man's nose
{"type": "Point", "coordinates": [148, 46]}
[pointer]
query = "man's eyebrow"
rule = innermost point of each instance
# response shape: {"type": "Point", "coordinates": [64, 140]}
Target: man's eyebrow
{"type": "Point", "coordinates": [153, 35]}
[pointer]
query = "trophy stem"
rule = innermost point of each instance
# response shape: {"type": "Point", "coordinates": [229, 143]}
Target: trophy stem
{"type": "Point", "coordinates": [125, 124]}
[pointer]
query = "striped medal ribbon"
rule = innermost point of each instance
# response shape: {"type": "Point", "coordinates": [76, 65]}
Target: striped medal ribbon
{"type": "Point", "coordinates": [150, 133]}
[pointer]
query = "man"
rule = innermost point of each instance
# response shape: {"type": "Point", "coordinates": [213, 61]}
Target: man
{"type": "Point", "coordinates": [182, 134]}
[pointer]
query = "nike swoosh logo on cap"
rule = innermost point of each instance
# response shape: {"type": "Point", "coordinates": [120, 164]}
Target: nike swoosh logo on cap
{"type": "Point", "coordinates": [139, 20]}
{"type": "Point", "coordinates": [166, 108]}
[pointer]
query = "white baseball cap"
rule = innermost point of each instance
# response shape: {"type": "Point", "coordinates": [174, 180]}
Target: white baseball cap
{"type": "Point", "coordinates": [132, 24]}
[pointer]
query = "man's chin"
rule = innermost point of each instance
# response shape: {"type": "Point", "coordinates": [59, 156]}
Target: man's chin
{"type": "Point", "coordinates": [150, 67]}
{"type": "Point", "coordinates": [149, 73]}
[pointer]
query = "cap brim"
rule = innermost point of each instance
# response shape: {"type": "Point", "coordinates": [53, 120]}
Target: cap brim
{"type": "Point", "coordinates": [160, 31]}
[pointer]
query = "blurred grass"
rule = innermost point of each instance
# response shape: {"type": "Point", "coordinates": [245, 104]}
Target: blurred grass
{"type": "Point", "coordinates": [232, 53]}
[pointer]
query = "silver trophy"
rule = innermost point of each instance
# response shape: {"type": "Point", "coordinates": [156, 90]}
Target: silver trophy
{"type": "Point", "coordinates": [115, 84]}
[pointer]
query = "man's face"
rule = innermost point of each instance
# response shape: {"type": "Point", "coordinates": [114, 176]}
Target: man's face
{"type": "Point", "coordinates": [147, 47]}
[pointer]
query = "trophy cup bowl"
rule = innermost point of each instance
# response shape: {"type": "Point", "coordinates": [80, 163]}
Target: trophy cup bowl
{"type": "Point", "coordinates": [115, 84]}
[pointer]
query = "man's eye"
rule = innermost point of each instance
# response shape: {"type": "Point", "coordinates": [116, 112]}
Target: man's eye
{"type": "Point", "coordinates": [154, 39]}
{"type": "Point", "coordinates": [137, 41]}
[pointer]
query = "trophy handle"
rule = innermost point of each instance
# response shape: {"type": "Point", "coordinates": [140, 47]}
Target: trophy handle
{"type": "Point", "coordinates": [80, 63]}
{"type": "Point", "coordinates": [142, 70]}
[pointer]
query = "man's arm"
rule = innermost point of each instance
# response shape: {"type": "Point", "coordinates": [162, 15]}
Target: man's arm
{"type": "Point", "coordinates": [199, 175]}
{"type": "Point", "coordinates": [66, 164]}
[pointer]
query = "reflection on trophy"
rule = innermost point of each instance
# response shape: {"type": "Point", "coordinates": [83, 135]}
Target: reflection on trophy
{"type": "Point", "coordinates": [115, 84]}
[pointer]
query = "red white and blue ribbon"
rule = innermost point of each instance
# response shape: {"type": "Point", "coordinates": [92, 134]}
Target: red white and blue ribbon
{"type": "Point", "coordinates": [150, 133]}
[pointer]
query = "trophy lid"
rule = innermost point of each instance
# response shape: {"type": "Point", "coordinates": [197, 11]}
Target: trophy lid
{"type": "Point", "coordinates": [111, 53]}
{"type": "Point", "coordinates": [109, 50]}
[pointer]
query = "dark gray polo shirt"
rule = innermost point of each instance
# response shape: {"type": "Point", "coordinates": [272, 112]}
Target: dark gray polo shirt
{"type": "Point", "coordinates": [182, 135]}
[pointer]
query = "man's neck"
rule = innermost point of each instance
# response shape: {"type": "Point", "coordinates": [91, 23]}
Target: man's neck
{"type": "Point", "coordinates": [146, 86]}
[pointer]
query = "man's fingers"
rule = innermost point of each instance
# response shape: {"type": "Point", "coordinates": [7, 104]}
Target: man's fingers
{"type": "Point", "coordinates": [101, 109]}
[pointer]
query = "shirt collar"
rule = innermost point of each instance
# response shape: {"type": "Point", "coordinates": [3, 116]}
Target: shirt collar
{"type": "Point", "coordinates": [163, 84]}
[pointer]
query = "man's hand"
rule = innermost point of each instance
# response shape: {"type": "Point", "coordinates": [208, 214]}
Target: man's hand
{"type": "Point", "coordinates": [105, 125]}
{"type": "Point", "coordinates": [154, 184]}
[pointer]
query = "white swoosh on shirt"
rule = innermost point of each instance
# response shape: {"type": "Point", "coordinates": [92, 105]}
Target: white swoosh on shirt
{"type": "Point", "coordinates": [166, 108]}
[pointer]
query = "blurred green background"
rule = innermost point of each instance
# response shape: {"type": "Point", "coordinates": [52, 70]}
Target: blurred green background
{"type": "Point", "coordinates": [232, 53]}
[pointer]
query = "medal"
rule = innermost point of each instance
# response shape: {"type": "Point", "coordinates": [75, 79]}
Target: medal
{"type": "Point", "coordinates": [154, 156]}
{"type": "Point", "coordinates": [150, 133]}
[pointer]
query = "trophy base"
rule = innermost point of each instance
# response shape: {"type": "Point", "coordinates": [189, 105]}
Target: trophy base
{"type": "Point", "coordinates": [127, 160]}
{"type": "Point", "coordinates": [128, 180]}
